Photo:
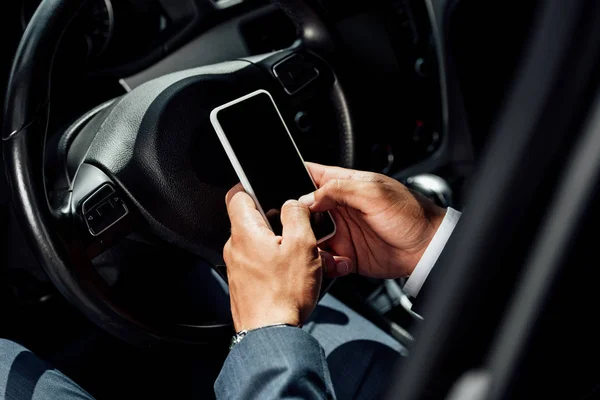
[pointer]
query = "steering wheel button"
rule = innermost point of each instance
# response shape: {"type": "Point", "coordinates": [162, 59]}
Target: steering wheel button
{"type": "Point", "coordinates": [116, 201]}
{"type": "Point", "coordinates": [105, 209]}
{"type": "Point", "coordinates": [96, 198]}
{"type": "Point", "coordinates": [106, 215]}
{"type": "Point", "coordinates": [294, 73]}
{"type": "Point", "coordinates": [94, 222]}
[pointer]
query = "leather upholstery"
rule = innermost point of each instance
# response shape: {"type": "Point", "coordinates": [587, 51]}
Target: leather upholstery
{"type": "Point", "coordinates": [159, 146]}
{"type": "Point", "coordinates": [30, 79]}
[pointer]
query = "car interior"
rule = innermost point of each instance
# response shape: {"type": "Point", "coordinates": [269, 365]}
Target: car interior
{"type": "Point", "coordinates": [113, 179]}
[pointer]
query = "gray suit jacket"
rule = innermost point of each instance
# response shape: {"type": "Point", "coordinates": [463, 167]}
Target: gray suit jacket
{"type": "Point", "coordinates": [275, 363]}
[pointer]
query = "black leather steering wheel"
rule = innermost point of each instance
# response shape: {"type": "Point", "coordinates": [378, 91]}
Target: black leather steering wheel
{"type": "Point", "coordinates": [149, 159]}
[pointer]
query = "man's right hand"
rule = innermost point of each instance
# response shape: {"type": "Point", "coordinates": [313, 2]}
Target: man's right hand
{"type": "Point", "coordinates": [382, 226]}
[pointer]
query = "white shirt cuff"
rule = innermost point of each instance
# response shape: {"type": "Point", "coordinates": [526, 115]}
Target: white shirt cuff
{"type": "Point", "coordinates": [421, 272]}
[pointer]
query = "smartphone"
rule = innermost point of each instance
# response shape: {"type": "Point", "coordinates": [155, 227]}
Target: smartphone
{"type": "Point", "coordinates": [266, 159]}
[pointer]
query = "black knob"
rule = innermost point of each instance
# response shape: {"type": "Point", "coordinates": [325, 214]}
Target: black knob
{"type": "Point", "coordinates": [303, 122]}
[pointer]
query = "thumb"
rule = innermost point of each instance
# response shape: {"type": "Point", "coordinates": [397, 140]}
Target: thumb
{"type": "Point", "coordinates": [336, 266]}
{"type": "Point", "coordinates": [341, 192]}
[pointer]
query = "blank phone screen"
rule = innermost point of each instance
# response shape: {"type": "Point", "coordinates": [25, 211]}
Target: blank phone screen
{"type": "Point", "coordinates": [269, 159]}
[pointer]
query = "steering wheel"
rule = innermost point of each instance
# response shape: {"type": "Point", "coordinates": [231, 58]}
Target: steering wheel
{"type": "Point", "coordinates": [150, 160]}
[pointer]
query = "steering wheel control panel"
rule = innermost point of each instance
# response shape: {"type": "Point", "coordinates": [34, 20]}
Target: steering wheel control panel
{"type": "Point", "coordinates": [103, 209]}
{"type": "Point", "coordinates": [103, 215]}
{"type": "Point", "coordinates": [295, 72]}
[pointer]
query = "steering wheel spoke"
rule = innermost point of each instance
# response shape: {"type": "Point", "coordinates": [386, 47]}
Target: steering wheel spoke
{"type": "Point", "coordinates": [101, 212]}
{"type": "Point", "coordinates": [301, 74]}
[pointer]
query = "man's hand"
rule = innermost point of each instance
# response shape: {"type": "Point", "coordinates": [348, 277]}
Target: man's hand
{"type": "Point", "coordinates": [272, 279]}
{"type": "Point", "coordinates": [382, 226]}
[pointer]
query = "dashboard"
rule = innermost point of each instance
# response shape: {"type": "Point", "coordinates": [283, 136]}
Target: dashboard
{"type": "Point", "coordinates": [115, 45]}
{"type": "Point", "coordinates": [394, 62]}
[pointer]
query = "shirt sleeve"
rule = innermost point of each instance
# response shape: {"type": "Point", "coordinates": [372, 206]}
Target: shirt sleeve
{"type": "Point", "coordinates": [425, 265]}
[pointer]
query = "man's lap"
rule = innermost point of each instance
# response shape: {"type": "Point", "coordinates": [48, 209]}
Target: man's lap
{"type": "Point", "coordinates": [23, 376]}
{"type": "Point", "coordinates": [334, 324]}
{"type": "Point", "coordinates": [360, 358]}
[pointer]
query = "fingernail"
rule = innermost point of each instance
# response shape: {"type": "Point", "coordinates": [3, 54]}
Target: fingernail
{"type": "Point", "coordinates": [342, 267]}
{"type": "Point", "coordinates": [308, 199]}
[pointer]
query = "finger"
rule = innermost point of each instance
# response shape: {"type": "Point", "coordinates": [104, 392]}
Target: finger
{"type": "Point", "coordinates": [342, 266]}
{"type": "Point", "coordinates": [322, 174]}
{"type": "Point", "coordinates": [244, 216]}
{"type": "Point", "coordinates": [342, 192]}
{"type": "Point", "coordinates": [227, 252]}
{"type": "Point", "coordinates": [237, 188]}
{"type": "Point", "coordinates": [341, 243]}
{"type": "Point", "coordinates": [328, 262]}
{"type": "Point", "coordinates": [295, 219]}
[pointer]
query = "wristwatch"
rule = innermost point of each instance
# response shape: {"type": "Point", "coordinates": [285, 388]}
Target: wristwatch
{"type": "Point", "coordinates": [237, 338]}
{"type": "Point", "coordinates": [242, 334]}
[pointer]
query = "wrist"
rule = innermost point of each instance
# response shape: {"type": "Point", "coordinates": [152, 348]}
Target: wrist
{"type": "Point", "coordinates": [434, 216]}
{"type": "Point", "coordinates": [267, 318]}
{"type": "Point", "coordinates": [237, 338]}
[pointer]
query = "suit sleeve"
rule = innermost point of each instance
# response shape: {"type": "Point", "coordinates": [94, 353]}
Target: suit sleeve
{"type": "Point", "coordinates": [275, 363]}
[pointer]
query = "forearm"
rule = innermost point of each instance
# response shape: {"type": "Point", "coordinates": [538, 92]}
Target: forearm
{"type": "Point", "coordinates": [275, 363]}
